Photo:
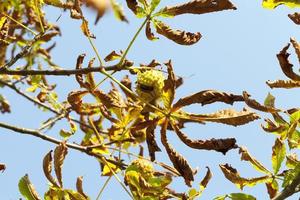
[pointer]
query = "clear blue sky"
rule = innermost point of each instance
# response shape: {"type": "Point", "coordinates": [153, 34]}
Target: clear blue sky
{"type": "Point", "coordinates": [237, 52]}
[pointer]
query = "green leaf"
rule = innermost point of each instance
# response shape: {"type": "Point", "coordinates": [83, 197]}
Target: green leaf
{"type": "Point", "coordinates": [192, 193]}
{"type": "Point", "coordinates": [291, 160]}
{"type": "Point", "coordinates": [271, 4]}
{"type": "Point", "coordinates": [27, 189]}
{"type": "Point", "coordinates": [241, 196]}
{"type": "Point", "coordinates": [269, 100]}
{"type": "Point", "coordinates": [278, 155]}
{"type": "Point", "coordinates": [154, 4]}
{"type": "Point", "coordinates": [223, 197]}
{"type": "Point", "coordinates": [290, 175]}
{"type": "Point", "coordinates": [294, 117]}
{"type": "Point", "coordinates": [65, 134]}
{"type": "Point", "coordinates": [75, 195]}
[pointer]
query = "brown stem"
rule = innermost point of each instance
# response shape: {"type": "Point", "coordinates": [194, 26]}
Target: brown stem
{"type": "Point", "coordinates": [31, 99]}
{"type": "Point", "coordinates": [289, 190]}
{"type": "Point", "coordinates": [62, 72]}
{"type": "Point", "coordinates": [56, 141]}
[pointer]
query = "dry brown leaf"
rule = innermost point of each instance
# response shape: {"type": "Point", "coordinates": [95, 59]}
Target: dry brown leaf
{"type": "Point", "coordinates": [79, 187]}
{"type": "Point", "coordinates": [227, 116]}
{"type": "Point", "coordinates": [48, 36]}
{"type": "Point", "coordinates": [169, 86]}
{"type": "Point", "coordinates": [295, 18]}
{"type": "Point", "coordinates": [232, 175]}
{"type": "Point", "coordinates": [75, 100]}
{"type": "Point", "coordinates": [178, 36]}
{"type": "Point", "coordinates": [257, 106]}
{"type": "Point", "coordinates": [245, 155]}
{"type": "Point", "coordinates": [198, 7]}
{"type": "Point", "coordinates": [108, 100]}
{"type": "Point", "coordinates": [2, 167]}
{"type": "Point", "coordinates": [207, 97]}
{"type": "Point", "coordinates": [220, 145]}
{"type": "Point", "coordinates": [132, 5]}
{"type": "Point", "coordinates": [285, 65]}
{"type": "Point", "coordinates": [79, 77]}
{"type": "Point", "coordinates": [151, 141]}
{"type": "Point", "coordinates": [287, 84]}
{"type": "Point", "coordinates": [47, 168]}
{"type": "Point", "coordinates": [272, 126]}
{"type": "Point", "coordinates": [150, 35]}
{"type": "Point", "coordinates": [60, 153]}
{"type": "Point", "coordinates": [85, 29]}
{"type": "Point", "coordinates": [271, 190]}
{"type": "Point", "coordinates": [206, 178]}
{"type": "Point", "coordinates": [179, 162]}
{"type": "Point", "coordinates": [112, 56]}
{"type": "Point", "coordinates": [296, 46]}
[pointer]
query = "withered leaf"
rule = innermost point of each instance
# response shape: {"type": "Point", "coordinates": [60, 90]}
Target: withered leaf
{"type": "Point", "coordinates": [206, 178]}
{"type": "Point", "coordinates": [285, 65]}
{"type": "Point", "coordinates": [232, 175]}
{"type": "Point", "coordinates": [4, 105]}
{"type": "Point", "coordinates": [208, 97]}
{"type": "Point", "coordinates": [48, 36]}
{"type": "Point", "coordinates": [295, 18]}
{"type": "Point", "coordinates": [198, 7]}
{"type": "Point", "coordinates": [292, 160]}
{"type": "Point", "coordinates": [257, 106]}
{"type": "Point", "coordinates": [99, 6]}
{"type": "Point", "coordinates": [108, 100]}
{"type": "Point", "coordinates": [220, 145]}
{"type": "Point", "coordinates": [150, 35]}
{"type": "Point", "coordinates": [169, 86]}
{"type": "Point", "coordinates": [179, 162]}
{"type": "Point", "coordinates": [85, 29]}
{"type": "Point", "coordinates": [296, 46]}
{"type": "Point", "coordinates": [47, 168]}
{"type": "Point", "coordinates": [132, 5]}
{"type": "Point", "coordinates": [118, 11]}
{"type": "Point", "coordinates": [227, 116]}
{"type": "Point", "coordinates": [79, 187]}
{"type": "Point", "coordinates": [60, 153]}
{"type": "Point", "coordinates": [273, 127]}
{"type": "Point", "coordinates": [27, 189]}
{"type": "Point", "coordinates": [2, 167]}
{"type": "Point", "coordinates": [112, 56]}
{"type": "Point", "coordinates": [245, 155]}
{"type": "Point", "coordinates": [178, 36]}
{"type": "Point", "coordinates": [151, 141]}
{"type": "Point", "coordinates": [287, 84]}
{"type": "Point", "coordinates": [272, 188]}
{"type": "Point", "coordinates": [79, 77]}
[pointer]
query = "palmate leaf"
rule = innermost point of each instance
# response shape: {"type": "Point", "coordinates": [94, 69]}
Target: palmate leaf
{"type": "Point", "coordinates": [245, 155]}
{"type": "Point", "coordinates": [271, 4]}
{"type": "Point", "coordinates": [232, 175]}
{"type": "Point", "coordinates": [197, 7]}
{"type": "Point", "coordinates": [278, 155]}
{"type": "Point", "coordinates": [27, 189]}
{"type": "Point", "coordinates": [178, 36]}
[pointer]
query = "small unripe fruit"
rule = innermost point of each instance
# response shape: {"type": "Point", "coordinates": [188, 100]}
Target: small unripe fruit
{"type": "Point", "coordinates": [150, 85]}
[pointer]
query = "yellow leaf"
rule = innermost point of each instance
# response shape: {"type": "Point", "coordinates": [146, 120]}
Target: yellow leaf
{"type": "Point", "coordinates": [271, 4]}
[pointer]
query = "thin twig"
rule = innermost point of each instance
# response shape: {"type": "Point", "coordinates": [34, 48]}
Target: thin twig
{"type": "Point", "coordinates": [78, 147]}
{"type": "Point", "coordinates": [61, 72]}
{"type": "Point", "coordinates": [31, 99]}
